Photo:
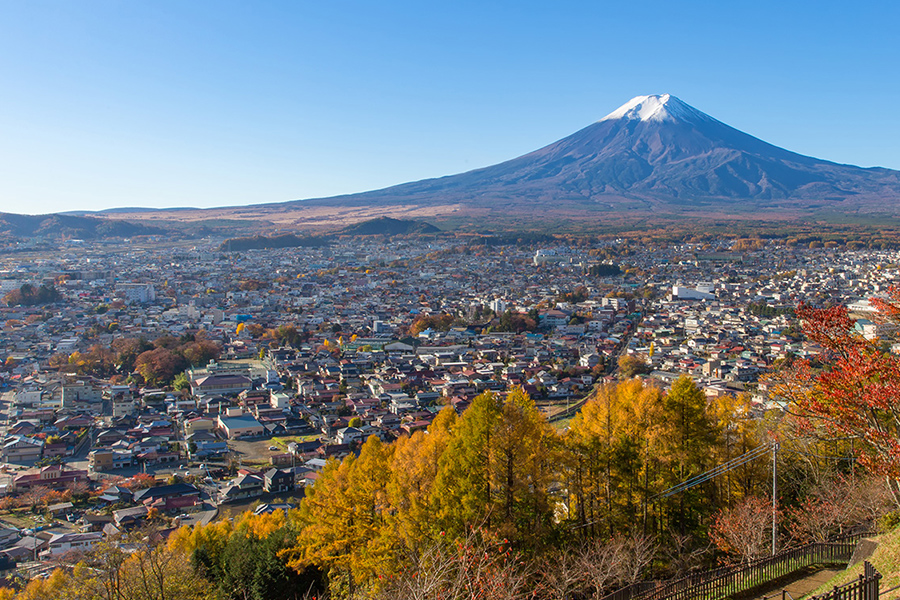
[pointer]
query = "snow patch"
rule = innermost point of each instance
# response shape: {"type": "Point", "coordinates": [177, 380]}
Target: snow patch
{"type": "Point", "coordinates": [664, 107]}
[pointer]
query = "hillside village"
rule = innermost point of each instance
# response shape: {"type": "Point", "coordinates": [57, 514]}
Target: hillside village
{"type": "Point", "coordinates": [303, 353]}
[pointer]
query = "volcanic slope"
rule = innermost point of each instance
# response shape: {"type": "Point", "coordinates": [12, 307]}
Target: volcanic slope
{"type": "Point", "coordinates": [654, 153]}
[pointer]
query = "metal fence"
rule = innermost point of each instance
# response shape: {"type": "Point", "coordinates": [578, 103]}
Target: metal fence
{"type": "Point", "coordinates": [726, 581]}
{"type": "Point", "coordinates": [866, 587]}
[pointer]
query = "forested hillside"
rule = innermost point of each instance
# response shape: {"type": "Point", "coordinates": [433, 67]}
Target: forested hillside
{"type": "Point", "coordinates": [495, 503]}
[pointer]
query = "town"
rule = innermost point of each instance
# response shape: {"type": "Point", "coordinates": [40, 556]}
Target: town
{"type": "Point", "coordinates": [190, 381]}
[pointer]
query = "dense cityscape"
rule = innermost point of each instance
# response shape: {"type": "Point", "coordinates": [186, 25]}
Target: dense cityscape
{"type": "Point", "coordinates": [230, 378]}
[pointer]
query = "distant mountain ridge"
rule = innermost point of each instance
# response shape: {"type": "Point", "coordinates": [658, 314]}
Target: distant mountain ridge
{"type": "Point", "coordinates": [380, 226]}
{"type": "Point", "coordinates": [389, 226]}
{"type": "Point", "coordinates": [72, 226]}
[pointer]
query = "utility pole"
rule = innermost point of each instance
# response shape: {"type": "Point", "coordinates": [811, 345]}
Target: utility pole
{"type": "Point", "coordinates": [775, 447]}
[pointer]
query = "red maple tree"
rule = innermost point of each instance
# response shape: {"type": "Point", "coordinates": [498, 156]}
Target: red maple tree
{"type": "Point", "coordinates": [853, 388]}
{"type": "Point", "coordinates": [744, 530]}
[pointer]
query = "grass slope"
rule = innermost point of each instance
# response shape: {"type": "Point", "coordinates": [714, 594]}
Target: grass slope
{"type": "Point", "coordinates": [886, 559]}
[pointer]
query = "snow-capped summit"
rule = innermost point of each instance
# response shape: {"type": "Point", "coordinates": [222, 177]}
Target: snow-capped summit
{"type": "Point", "coordinates": [664, 107]}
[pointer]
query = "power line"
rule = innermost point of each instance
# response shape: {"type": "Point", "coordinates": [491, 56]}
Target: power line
{"type": "Point", "coordinates": [732, 464]}
{"type": "Point", "coordinates": [725, 467]}
{"type": "Point", "coordinates": [847, 458]}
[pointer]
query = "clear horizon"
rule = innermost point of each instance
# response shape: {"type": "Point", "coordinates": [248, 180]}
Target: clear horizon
{"type": "Point", "coordinates": [206, 104]}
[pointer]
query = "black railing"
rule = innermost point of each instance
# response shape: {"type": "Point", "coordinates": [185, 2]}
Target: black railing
{"type": "Point", "coordinates": [866, 587]}
{"type": "Point", "coordinates": [726, 581]}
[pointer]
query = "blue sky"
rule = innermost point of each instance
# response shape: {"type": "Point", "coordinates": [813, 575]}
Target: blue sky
{"type": "Point", "coordinates": [158, 103]}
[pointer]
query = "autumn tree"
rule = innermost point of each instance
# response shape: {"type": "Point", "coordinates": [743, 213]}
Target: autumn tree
{"type": "Point", "coordinates": [854, 391]}
{"type": "Point", "coordinates": [524, 448]}
{"type": "Point", "coordinates": [744, 531]}
{"type": "Point", "coordinates": [592, 441]}
{"type": "Point", "coordinates": [36, 495]}
{"type": "Point", "coordinates": [441, 322]}
{"type": "Point", "coordinates": [181, 383]}
{"type": "Point", "coordinates": [689, 435]}
{"type": "Point", "coordinates": [414, 469]}
{"type": "Point", "coordinates": [127, 350]}
{"type": "Point", "coordinates": [28, 295]}
{"type": "Point", "coordinates": [251, 565]}
{"type": "Point", "coordinates": [463, 492]}
{"type": "Point", "coordinates": [613, 457]}
{"type": "Point", "coordinates": [199, 352]}
{"type": "Point", "coordinates": [288, 335]}
{"type": "Point", "coordinates": [616, 561]}
{"type": "Point", "coordinates": [630, 365]}
{"type": "Point", "coordinates": [834, 507]}
{"type": "Point", "coordinates": [469, 568]}
{"type": "Point", "coordinates": [515, 322]}
{"type": "Point", "coordinates": [205, 545]}
{"type": "Point", "coordinates": [497, 469]}
{"type": "Point", "coordinates": [739, 432]}
{"type": "Point", "coordinates": [342, 517]}
{"type": "Point", "coordinates": [252, 285]}
{"type": "Point", "coordinates": [149, 570]}
{"type": "Point", "coordinates": [39, 588]}
{"type": "Point", "coordinates": [159, 366]}
{"type": "Point", "coordinates": [561, 574]}
{"type": "Point", "coordinates": [139, 481]}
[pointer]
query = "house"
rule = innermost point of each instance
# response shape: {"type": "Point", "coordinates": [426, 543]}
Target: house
{"type": "Point", "coordinates": [23, 428]}
{"type": "Point", "coordinates": [198, 424]}
{"type": "Point", "coordinates": [61, 507]}
{"type": "Point", "coordinates": [283, 458]}
{"type": "Point", "coordinates": [127, 517]}
{"type": "Point", "coordinates": [107, 460]}
{"type": "Point", "coordinates": [553, 318]}
{"type": "Point", "coordinates": [276, 481]}
{"type": "Point", "coordinates": [116, 493]}
{"type": "Point", "coordinates": [108, 437]}
{"type": "Point", "coordinates": [168, 497]}
{"type": "Point", "coordinates": [220, 383]}
{"type": "Point", "coordinates": [155, 458]}
{"type": "Point", "coordinates": [349, 434]}
{"type": "Point", "coordinates": [55, 476]}
{"type": "Point", "coordinates": [96, 522]}
{"type": "Point", "coordinates": [210, 448]}
{"type": "Point", "coordinates": [22, 449]}
{"type": "Point", "coordinates": [298, 448]}
{"type": "Point", "coordinates": [62, 543]}
{"type": "Point", "coordinates": [270, 508]}
{"type": "Point", "coordinates": [8, 536]}
{"type": "Point", "coordinates": [122, 405]}
{"type": "Point", "coordinates": [80, 392]}
{"type": "Point", "coordinates": [242, 487]}
{"type": "Point", "coordinates": [57, 449]}
{"type": "Point", "coordinates": [589, 360]}
{"type": "Point", "coordinates": [236, 424]}
{"type": "Point", "coordinates": [26, 548]}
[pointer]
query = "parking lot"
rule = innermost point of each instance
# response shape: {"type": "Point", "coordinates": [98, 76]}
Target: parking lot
{"type": "Point", "coordinates": [259, 452]}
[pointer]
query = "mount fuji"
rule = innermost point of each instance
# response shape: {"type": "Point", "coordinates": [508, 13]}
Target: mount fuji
{"type": "Point", "coordinates": [656, 154]}
{"type": "Point", "coordinates": [654, 159]}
